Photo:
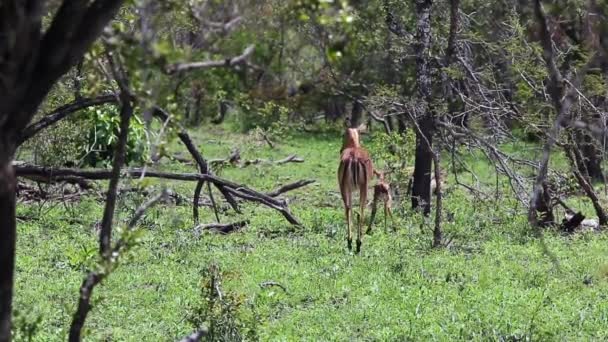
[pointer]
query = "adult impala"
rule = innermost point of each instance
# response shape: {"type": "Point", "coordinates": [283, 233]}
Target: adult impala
{"type": "Point", "coordinates": [355, 171]}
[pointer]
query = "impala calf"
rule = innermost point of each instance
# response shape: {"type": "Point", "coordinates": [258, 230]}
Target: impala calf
{"type": "Point", "coordinates": [382, 192]}
{"type": "Point", "coordinates": [354, 171]}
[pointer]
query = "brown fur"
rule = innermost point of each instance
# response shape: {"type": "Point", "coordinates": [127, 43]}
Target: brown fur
{"type": "Point", "coordinates": [355, 171]}
{"type": "Point", "coordinates": [382, 192]}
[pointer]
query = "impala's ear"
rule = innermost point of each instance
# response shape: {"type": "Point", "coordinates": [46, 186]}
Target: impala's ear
{"type": "Point", "coordinates": [362, 128]}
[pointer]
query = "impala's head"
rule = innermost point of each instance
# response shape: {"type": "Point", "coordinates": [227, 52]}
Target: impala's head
{"type": "Point", "coordinates": [351, 138]}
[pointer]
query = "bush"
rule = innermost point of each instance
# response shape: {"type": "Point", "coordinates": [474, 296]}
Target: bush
{"type": "Point", "coordinates": [102, 137]}
{"type": "Point", "coordinates": [218, 311]}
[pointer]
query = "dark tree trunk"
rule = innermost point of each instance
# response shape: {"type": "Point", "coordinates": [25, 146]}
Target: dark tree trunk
{"type": "Point", "coordinates": [421, 189]}
{"type": "Point", "coordinates": [589, 159]}
{"type": "Point", "coordinates": [32, 62]}
{"type": "Point", "coordinates": [7, 241]}
{"type": "Point", "coordinates": [356, 114]}
{"type": "Point", "coordinates": [421, 186]}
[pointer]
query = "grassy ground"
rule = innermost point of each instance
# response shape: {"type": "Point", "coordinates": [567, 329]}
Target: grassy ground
{"type": "Point", "coordinates": [495, 282]}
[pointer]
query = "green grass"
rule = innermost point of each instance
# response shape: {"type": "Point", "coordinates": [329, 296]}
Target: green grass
{"type": "Point", "coordinates": [494, 283]}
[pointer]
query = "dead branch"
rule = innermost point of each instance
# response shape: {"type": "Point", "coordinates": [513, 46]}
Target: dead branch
{"type": "Point", "coordinates": [238, 190]}
{"type": "Point", "coordinates": [289, 159]}
{"type": "Point", "coordinates": [561, 105]}
{"type": "Point", "coordinates": [571, 222]}
{"type": "Point", "coordinates": [290, 186]}
{"type": "Point", "coordinates": [232, 159]}
{"type": "Point", "coordinates": [228, 62]}
{"type": "Point", "coordinates": [223, 228]}
{"type": "Point", "coordinates": [588, 188]}
{"type": "Point", "coordinates": [81, 182]}
{"type": "Point", "coordinates": [62, 112]}
{"type": "Point", "coordinates": [265, 284]}
{"type": "Point", "coordinates": [203, 167]}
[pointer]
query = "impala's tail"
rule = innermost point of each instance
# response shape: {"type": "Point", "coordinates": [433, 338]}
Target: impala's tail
{"type": "Point", "coordinates": [353, 172]}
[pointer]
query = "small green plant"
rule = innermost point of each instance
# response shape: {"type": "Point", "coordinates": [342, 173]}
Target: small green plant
{"type": "Point", "coordinates": [396, 151]}
{"type": "Point", "coordinates": [103, 137]}
{"type": "Point", "coordinates": [25, 325]}
{"type": "Point", "coordinates": [218, 311]}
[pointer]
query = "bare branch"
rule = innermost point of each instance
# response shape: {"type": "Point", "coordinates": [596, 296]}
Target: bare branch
{"type": "Point", "coordinates": [290, 186]}
{"type": "Point", "coordinates": [62, 112]}
{"type": "Point", "coordinates": [238, 190]}
{"type": "Point", "coordinates": [228, 62]}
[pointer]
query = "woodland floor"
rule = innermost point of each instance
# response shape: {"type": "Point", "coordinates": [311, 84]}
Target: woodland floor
{"type": "Point", "coordinates": [494, 282]}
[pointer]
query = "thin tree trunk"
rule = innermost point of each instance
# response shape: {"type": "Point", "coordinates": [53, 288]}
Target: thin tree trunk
{"type": "Point", "coordinates": [421, 190]}
{"type": "Point", "coordinates": [105, 235]}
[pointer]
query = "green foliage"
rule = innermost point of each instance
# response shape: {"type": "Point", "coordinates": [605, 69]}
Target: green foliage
{"type": "Point", "coordinates": [266, 115]}
{"type": "Point", "coordinates": [25, 325]}
{"type": "Point", "coordinates": [218, 311]}
{"type": "Point", "coordinates": [396, 152]}
{"type": "Point", "coordinates": [104, 123]}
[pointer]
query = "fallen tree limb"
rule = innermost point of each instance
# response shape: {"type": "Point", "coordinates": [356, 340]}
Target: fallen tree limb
{"type": "Point", "coordinates": [289, 159]}
{"type": "Point", "coordinates": [571, 222]}
{"type": "Point", "coordinates": [228, 62]}
{"type": "Point", "coordinates": [203, 168]}
{"type": "Point", "coordinates": [223, 228]}
{"type": "Point", "coordinates": [81, 182]}
{"type": "Point", "coordinates": [238, 190]}
{"type": "Point", "coordinates": [290, 186]}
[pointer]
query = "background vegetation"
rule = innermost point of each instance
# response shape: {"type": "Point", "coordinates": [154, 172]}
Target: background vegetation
{"type": "Point", "coordinates": [506, 98]}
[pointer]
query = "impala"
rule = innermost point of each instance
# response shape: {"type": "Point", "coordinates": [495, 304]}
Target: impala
{"type": "Point", "coordinates": [354, 172]}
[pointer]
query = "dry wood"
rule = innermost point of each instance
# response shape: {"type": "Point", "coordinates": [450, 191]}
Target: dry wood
{"type": "Point", "coordinates": [223, 228]}
{"type": "Point", "coordinates": [228, 62]}
{"type": "Point", "coordinates": [238, 190]}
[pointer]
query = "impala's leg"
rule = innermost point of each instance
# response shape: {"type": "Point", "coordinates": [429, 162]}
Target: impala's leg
{"type": "Point", "coordinates": [389, 204]}
{"type": "Point", "coordinates": [346, 192]}
{"type": "Point", "coordinates": [362, 204]}
{"type": "Point", "coordinates": [373, 215]}
{"type": "Point", "coordinates": [349, 230]}
{"type": "Point", "coordinates": [385, 213]}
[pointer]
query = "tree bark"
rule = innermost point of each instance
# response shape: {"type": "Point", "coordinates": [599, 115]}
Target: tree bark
{"type": "Point", "coordinates": [105, 235]}
{"type": "Point", "coordinates": [421, 190]}
{"type": "Point", "coordinates": [32, 62]}
{"type": "Point", "coordinates": [8, 230]}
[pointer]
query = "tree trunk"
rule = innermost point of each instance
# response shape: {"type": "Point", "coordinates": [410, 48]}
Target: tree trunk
{"type": "Point", "coordinates": [356, 114]}
{"type": "Point", "coordinates": [7, 242]}
{"type": "Point", "coordinates": [421, 190]}
{"type": "Point", "coordinates": [589, 159]}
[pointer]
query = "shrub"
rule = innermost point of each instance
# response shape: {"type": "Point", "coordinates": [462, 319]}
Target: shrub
{"type": "Point", "coordinates": [104, 124]}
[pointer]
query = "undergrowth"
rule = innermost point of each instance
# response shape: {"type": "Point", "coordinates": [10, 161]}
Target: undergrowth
{"type": "Point", "coordinates": [493, 282]}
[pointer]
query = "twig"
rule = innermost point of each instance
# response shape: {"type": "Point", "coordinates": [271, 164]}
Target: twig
{"type": "Point", "coordinates": [290, 186]}
{"type": "Point", "coordinates": [272, 283]}
{"type": "Point", "coordinates": [62, 112]}
{"type": "Point", "coordinates": [223, 228]}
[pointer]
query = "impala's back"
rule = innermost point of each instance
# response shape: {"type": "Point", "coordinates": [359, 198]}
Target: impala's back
{"type": "Point", "coordinates": [355, 168]}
